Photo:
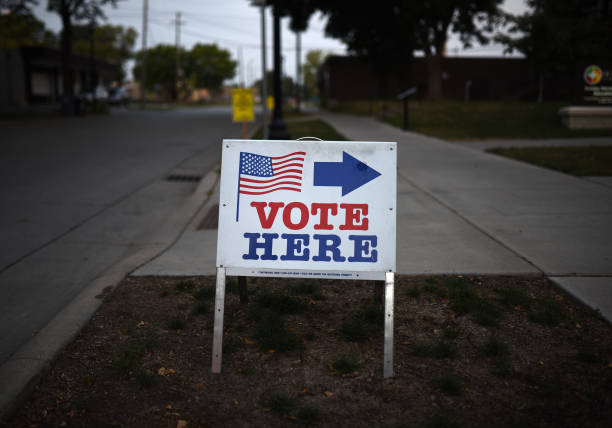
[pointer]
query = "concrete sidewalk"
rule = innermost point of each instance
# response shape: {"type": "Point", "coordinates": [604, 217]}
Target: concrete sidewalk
{"type": "Point", "coordinates": [462, 211]}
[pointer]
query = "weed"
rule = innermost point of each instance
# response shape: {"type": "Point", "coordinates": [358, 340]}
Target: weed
{"type": "Point", "coordinates": [547, 312]}
{"type": "Point", "coordinates": [443, 419]}
{"type": "Point", "coordinates": [280, 402]}
{"type": "Point", "coordinates": [591, 355]}
{"type": "Point", "coordinates": [464, 300]}
{"type": "Point", "coordinates": [344, 365]}
{"type": "Point", "coordinates": [127, 359]}
{"type": "Point", "coordinates": [501, 366]}
{"type": "Point", "coordinates": [232, 344]}
{"type": "Point", "coordinates": [413, 292]}
{"type": "Point", "coordinates": [373, 314]}
{"type": "Point", "coordinates": [448, 384]}
{"type": "Point", "coordinates": [514, 296]}
{"type": "Point", "coordinates": [205, 293]}
{"type": "Point", "coordinates": [451, 333]}
{"type": "Point", "coordinates": [440, 350]}
{"type": "Point", "coordinates": [145, 379]}
{"type": "Point", "coordinates": [271, 333]}
{"type": "Point", "coordinates": [433, 286]}
{"type": "Point", "coordinates": [185, 285]}
{"type": "Point", "coordinates": [308, 415]}
{"type": "Point", "coordinates": [201, 309]}
{"type": "Point", "coordinates": [355, 330]}
{"type": "Point", "coordinates": [164, 293]}
{"type": "Point", "coordinates": [495, 347]}
{"type": "Point", "coordinates": [281, 303]}
{"type": "Point", "coordinates": [177, 323]}
{"type": "Point", "coordinates": [303, 289]}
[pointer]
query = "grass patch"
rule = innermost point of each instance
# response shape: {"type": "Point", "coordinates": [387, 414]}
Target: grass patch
{"type": "Point", "coordinates": [355, 330]}
{"type": "Point", "coordinates": [127, 358]}
{"type": "Point", "coordinates": [232, 344]}
{"type": "Point", "coordinates": [514, 297]}
{"type": "Point", "coordinates": [280, 402]}
{"type": "Point", "coordinates": [303, 289]}
{"type": "Point", "coordinates": [501, 366]}
{"type": "Point", "coordinates": [201, 308]}
{"type": "Point", "coordinates": [495, 347]}
{"type": "Point", "coordinates": [205, 293]}
{"type": "Point", "coordinates": [451, 333]}
{"type": "Point", "coordinates": [146, 379]}
{"type": "Point", "coordinates": [440, 349]}
{"type": "Point", "coordinates": [308, 415]}
{"type": "Point", "coordinates": [309, 128]}
{"type": "Point", "coordinates": [448, 384]}
{"type": "Point", "coordinates": [185, 285]}
{"type": "Point", "coordinates": [546, 312]}
{"type": "Point", "coordinates": [177, 323]}
{"type": "Point", "coordinates": [344, 366]}
{"type": "Point", "coordinates": [282, 303]}
{"type": "Point", "coordinates": [476, 120]}
{"type": "Point", "coordinates": [465, 300]}
{"type": "Point", "coordinates": [272, 334]}
{"type": "Point", "coordinates": [443, 419]}
{"type": "Point", "coordinates": [579, 161]}
{"type": "Point", "coordinates": [372, 314]}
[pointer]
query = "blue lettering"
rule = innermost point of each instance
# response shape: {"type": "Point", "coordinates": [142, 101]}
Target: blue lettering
{"type": "Point", "coordinates": [362, 248]}
{"type": "Point", "coordinates": [328, 243]}
{"type": "Point", "coordinates": [295, 245]}
{"type": "Point", "coordinates": [266, 246]}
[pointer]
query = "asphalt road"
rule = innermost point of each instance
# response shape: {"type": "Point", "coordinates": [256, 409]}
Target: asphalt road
{"type": "Point", "coordinates": [81, 194]}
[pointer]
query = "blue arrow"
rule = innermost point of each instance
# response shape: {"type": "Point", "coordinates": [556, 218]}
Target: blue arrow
{"type": "Point", "coordinates": [350, 174]}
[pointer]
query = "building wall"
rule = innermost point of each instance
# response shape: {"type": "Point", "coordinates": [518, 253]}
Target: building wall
{"type": "Point", "coordinates": [12, 80]}
{"type": "Point", "coordinates": [349, 78]}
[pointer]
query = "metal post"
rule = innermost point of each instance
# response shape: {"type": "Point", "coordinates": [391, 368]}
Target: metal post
{"type": "Point", "coordinates": [406, 114]}
{"type": "Point", "coordinates": [298, 71]}
{"type": "Point", "coordinates": [264, 81]}
{"type": "Point", "coordinates": [217, 353]}
{"type": "Point", "coordinates": [389, 314]}
{"type": "Point", "coordinates": [143, 71]}
{"type": "Point", "coordinates": [278, 130]}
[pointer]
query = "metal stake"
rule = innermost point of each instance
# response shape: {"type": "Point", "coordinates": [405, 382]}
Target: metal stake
{"type": "Point", "coordinates": [218, 330]}
{"type": "Point", "coordinates": [388, 348]}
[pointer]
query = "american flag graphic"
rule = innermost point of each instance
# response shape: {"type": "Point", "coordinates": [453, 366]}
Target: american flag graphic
{"type": "Point", "coordinates": [259, 174]}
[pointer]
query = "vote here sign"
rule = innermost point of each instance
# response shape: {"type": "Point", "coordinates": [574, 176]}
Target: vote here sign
{"type": "Point", "coordinates": [319, 209]}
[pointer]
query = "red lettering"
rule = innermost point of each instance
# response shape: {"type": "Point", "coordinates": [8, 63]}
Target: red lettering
{"type": "Point", "coordinates": [324, 216]}
{"type": "Point", "coordinates": [287, 215]}
{"type": "Point", "coordinates": [267, 221]}
{"type": "Point", "coordinates": [353, 216]}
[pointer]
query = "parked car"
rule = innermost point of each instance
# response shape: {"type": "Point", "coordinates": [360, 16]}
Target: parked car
{"type": "Point", "coordinates": [119, 97]}
{"type": "Point", "coordinates": [101, 95]}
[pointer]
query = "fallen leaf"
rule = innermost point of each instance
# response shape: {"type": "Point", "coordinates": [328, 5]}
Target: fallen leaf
{"type": "Point", "coordinates": [236, 402]}
{"type": "Point", "coordinates": [141, 324]}
{"type": "Point", "coordinates": [162, 371]}
{"type": "Point", "coordinates": [407, 342]}
{"type": "Point", "coordinates": [169, 407]}
{"type": "Point", "coordinates": [304, 391]}
{"type": "Point", "coordinates": [578, 326]}
{"type": "Point", "coordinates": [271, 351]}
{"type": "Point", "coordinates": [558, 298]}
{"type": "Point", "coordinates": [248, 342]}
{"type": "Point", "coordinates": [181, 423]}
{"type": "Point", "coordinates": [329, 394]}
{"type": "Point", "coordinates": [292, 417]}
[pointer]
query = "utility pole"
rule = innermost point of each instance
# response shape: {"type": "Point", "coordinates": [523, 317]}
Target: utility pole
{"type": "Point", "coordinates": [177, 46]}
{"type": "Point", "coordinates": [143, 76]}
{"type": "Point", "coordinates": [278, 130]}
{"type": "Point", "coordinates": [298, 71]}
{"type": "Point", "coordinates": [264, 80]}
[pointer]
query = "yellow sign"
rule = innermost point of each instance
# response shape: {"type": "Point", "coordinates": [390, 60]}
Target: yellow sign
{"type": "Point", "coordinates": [242, 100]}
{"type": "Point", "coordinates": [270, 102]}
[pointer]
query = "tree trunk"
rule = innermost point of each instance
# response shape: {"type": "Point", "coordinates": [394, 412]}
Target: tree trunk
{"type": "Point", "coordinates": [434, 76]}
{"type": "Point", "coordinates": [68, 102]}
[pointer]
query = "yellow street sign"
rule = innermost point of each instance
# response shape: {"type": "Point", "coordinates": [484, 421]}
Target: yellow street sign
{"type": "Point", "coordinates": [270, 102]}
{"type": "Point", "coordinates": [242, 101]}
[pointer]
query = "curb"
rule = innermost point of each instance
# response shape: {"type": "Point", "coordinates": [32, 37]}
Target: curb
{"type": "Point", "coordinates": [22, 371]}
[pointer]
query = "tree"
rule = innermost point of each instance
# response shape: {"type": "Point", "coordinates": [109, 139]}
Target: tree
{"type": "Point", "coordinates": [113, 43]}
{"type": "Point", "coordinates": [555, 35]}
{"type": "Point", "coordinates": [161, 68]}
{"type": "Point", "coordinates": [18, 27]}
{"type": "Point", "coordinates": [208, 66]}
{"type": "Point", "coordinates": [69, 10]}
{"type": "Point", "coordinates": [314, 59]}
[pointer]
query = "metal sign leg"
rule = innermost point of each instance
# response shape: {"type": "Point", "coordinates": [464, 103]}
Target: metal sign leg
{"type": "Point", "coordinates": [218, 330]}
{"type": "Point", "coordinates": [389, 314]}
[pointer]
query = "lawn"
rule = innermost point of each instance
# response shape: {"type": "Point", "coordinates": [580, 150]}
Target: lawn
{"type": "Point", "coordinates": [476, 120]}
{"type": "Point", "coordinates": [471, 351]}
{"type": "Point", "coordinates": [580, 161]}
{"type": "Point", "coordinates": [309, 128]}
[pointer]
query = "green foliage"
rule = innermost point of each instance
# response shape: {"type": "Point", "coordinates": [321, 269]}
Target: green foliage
{"type": "Point", "coordinates": [272, 334]}
{"type": "Point", "coordinates": [355, 330]}
{"type": "Point", "coordinates": [177, 323]}
{"type": "Point", "coordinates": [344, 365]}
{"type": "Point", "coordinates": [281, 303]}
{"type": "Point", "coordinates": [449, 384]}
{"type": "Point", "coordinates": [308, 415]}
{"type": "Point", "coordinates": [580, 161]}
{"type": "Point", "coordinates": [201, 308]}
{"type": "Point", "coordinates": [161, 68]}
{"type": "Point", "coordinates": [280, 402]}
{"type": "Point", "coordinates": [314, 59]}
{"type": "Point", "coordinates": [514, 296]}
{"type": "Point", "coordinates": [207, 66]}
{"type": "Point", "coordinates": [185, 285]}
{"type": "Point", "coordinates": [23, 29]}
{"type": "Point", "coordinates": [547, 312]}
{"type": "Point", "coordinates": [495, 347]}
{"type": "Point", "coordinates": [440, 349]}
{"type": "Point", "coordinates": [206, 292]}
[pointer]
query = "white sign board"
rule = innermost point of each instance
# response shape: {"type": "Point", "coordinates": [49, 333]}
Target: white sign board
{"type": "Point", "coordinates": [318, 209]}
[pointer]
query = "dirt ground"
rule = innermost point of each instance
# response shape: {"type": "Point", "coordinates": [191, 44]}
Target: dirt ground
{"type": "Point", "coordinates": [490, 351]}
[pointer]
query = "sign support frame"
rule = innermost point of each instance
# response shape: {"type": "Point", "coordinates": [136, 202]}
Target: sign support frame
{"type": "Point", "coordinates": [217, 353]}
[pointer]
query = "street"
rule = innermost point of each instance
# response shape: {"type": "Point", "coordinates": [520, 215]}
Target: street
{"type": "Point", "coordinates": [80, 195]}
